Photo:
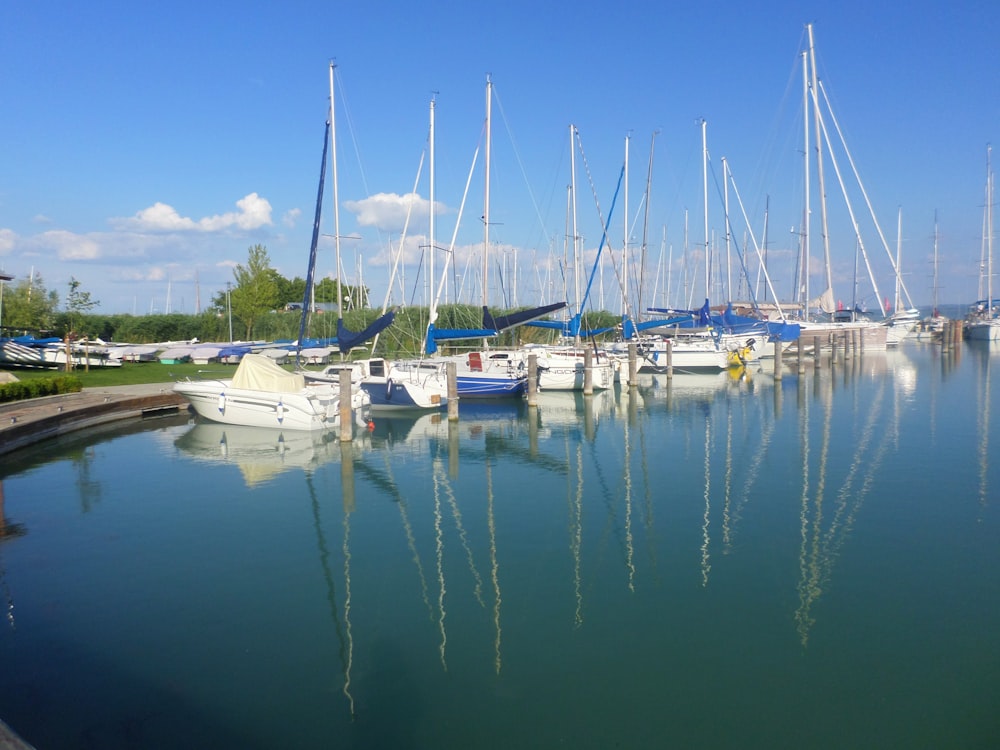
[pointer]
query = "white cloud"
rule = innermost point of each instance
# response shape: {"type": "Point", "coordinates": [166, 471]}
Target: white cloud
{"type": "Point", "coordinates": [291, 217]}
{"type": "Point", "coordinates": [253, 213]}
{"type": "Point", "coordinates": [7, 240]}
{"type": "Point", "coordinates": [387, 211]}
{"type": "Point", "coordinates": [70, 246]}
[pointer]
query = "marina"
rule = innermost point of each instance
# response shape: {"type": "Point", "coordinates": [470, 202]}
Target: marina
{"type": "Point", "coordinates": [703, 560]}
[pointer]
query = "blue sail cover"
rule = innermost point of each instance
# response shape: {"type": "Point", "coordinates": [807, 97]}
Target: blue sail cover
{"type": "Point", "coordinates": [348, 339]}
{"type": "Point", "coordinates": [435, 334]}
{"type": "Point", "coordinates": [521, 317]}
{"type": "Point", "coordinates": [730, 322]}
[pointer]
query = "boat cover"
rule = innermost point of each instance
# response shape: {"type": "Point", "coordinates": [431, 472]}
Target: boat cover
{"type": "Point", "coordinates": [257, 372]}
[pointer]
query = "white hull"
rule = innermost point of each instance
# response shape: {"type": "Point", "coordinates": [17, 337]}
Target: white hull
{"type": "Point", "coordinates": [986, 330]}
{"type": "Point", "coordinates": [563, 368]}
{"type": "Point", "coordinates": [261, 394]}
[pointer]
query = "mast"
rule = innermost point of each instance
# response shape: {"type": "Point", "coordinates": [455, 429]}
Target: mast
{"type": "Point", "coordinates": [989, 231]}
{"type": "Point", "coordinates": [625, 240]}
{"type": "Point", "coordinates": [704, 189]}
{"type": "Point", "coordinates": [336, 197]}
{"type": "Point", "coordinates": [644, 247]}
{"type": "Point", "coordinates": [805, 165]}
{"type": "Point", "coordinates": [432, 314]}
{"type": "Point", "coordinates": [725, 210]}
{"type": "Point", "coordinates": [819, 161]}
{"type": "Point", "coordinates": [934, 290]}
{"type": "Point", "coordinates": [486, 194]}
{"type": "Point", "coordinates": [431, 219]}
{"type": "Point", "coordinates": [899, 246]}
{"type": "Point", "coordinates": [575, 236]}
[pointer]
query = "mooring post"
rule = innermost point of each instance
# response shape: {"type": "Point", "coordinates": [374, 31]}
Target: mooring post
{"type": "Point", "coordinates": [588, 372]}
{"type": "Point", "coordinates": [670, 359]}
{"type": "Point", "coordinates": [777, 358]}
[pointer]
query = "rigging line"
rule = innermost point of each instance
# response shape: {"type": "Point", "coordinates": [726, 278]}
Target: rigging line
{"type": "Point", "coordinates": [520, 163]}
{"type": "Point", "coordinates": [864, 193]}
{"type": "Point", "coordinates": [824, 135]}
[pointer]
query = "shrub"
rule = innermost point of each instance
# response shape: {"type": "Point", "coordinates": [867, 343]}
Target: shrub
{"type": "Point", "coordinates": [37, 387]}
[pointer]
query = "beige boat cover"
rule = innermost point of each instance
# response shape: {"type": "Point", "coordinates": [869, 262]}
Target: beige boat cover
{"type": "Point", "coordinates": [257, 372]}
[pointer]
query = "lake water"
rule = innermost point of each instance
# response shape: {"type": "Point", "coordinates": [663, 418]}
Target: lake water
{"type": "Point", "coordinates": [713, 562]}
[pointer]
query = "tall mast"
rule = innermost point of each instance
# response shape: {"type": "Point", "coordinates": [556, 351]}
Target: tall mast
{"type": "Point", "coordinates": [989, 231]}
{"type": "Point", "coordinates": [819, 160]}
{"type": "Point", "coordinates": [805, 166]}
{"type": "Point", "coordinates": [336, 200]}
{"type": "Point", "coordinates": [645, 227]}
{"type": "Point", "coordinates": [899, 247]}
{"type": "Point", "coordinates": [486, 195]}
{"type": "Point", "coordinates": [576, 239]}
{"type": "Point", "coordinates": [625, 240]}
{"type": "Point", "coordinates": [725, 210]}
{"type": "Point", "coordinates": [704, 188]}
{"type": "Point", "coordinates": [431, 219]}
{"type": "Point", "coordinates": [934, 290]}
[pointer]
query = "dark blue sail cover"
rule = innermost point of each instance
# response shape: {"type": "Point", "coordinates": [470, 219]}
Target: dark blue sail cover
{"type": "Point", "coordinates": [503, 322]}
{"type": "Point", "coordinates": [348, 339]}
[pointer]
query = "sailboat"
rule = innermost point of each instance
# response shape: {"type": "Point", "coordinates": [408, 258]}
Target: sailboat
{"type": "Point", "coordinates": [483, 372]}
{"type": "Point", "coordinates": [851, 319]}
{"type": "Point", "coordinates": [984, 325]}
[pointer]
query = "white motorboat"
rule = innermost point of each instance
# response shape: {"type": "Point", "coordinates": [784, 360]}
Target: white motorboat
{"type": "Point", "coordinates": [262, 394]}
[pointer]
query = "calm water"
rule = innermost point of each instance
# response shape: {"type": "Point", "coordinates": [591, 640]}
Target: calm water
{"type": "Point", "coordinates": [717, 563]}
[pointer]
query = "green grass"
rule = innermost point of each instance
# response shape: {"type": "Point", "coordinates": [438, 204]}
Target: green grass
{"type": "Point", "coordinates": [130, 373]}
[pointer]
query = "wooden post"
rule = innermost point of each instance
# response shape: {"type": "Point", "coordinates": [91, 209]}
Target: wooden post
{"type": "Point", "coordinates": [833, 348]}
{"type": "Point", "coordinates": [452, 373]}
{"type": "Point", "coordinates": [588, 372]}
{"type": "Point", "coordinates": [670, 359]}
{"type": "Point", "coordinates": [777, 359]}
{"type": "Point", "coordinates": [346, 413]}
{"type": "Point", "coordinates": [800, 353]}
{"type": "Point", "coordinates": [532, 380]}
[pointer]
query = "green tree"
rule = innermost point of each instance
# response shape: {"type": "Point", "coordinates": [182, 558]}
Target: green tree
{"type": "Point", "coordinates": [78, 304]}
{"type": "Point", "coordinates": [27, 305]}
{"type": "Point", "coordinates": [256, 291]}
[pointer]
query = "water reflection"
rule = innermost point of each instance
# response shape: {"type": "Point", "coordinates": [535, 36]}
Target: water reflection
{"type": "Point", "coordinates": [467, 568]}
{"type": "Point", "coordinates": [260, 453]}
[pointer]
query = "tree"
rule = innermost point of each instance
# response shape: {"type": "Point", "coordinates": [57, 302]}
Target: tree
{"type": "Point", "coordinates": [78, 304]}
{"type": "Point", "coordinates": [256, 291]}
{"type": "Point", "coordinates": [28, 306]}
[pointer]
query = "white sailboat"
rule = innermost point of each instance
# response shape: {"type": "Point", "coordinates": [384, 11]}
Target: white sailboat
{"type": "Point", "coordinates": [984, 325]}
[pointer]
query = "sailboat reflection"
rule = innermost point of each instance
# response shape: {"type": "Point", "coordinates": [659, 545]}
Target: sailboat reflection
{"type": "Point", "coordinates": [824, 528]}
{"type": "Point", "coordinates": [984, 351]}
{"type": "Point", "coordinates": [260, 453]}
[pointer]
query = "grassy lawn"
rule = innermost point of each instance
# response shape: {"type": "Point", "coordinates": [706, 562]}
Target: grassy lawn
{"type": "Point", "coordinates": [131, 373]}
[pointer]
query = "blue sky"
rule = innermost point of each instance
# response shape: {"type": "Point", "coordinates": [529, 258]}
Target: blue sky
{"type": "Point", "coordinates": [145, 147]}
